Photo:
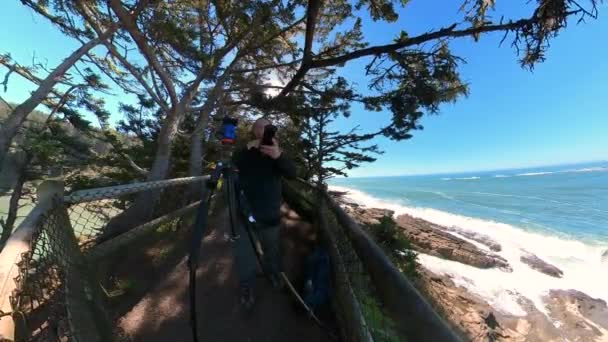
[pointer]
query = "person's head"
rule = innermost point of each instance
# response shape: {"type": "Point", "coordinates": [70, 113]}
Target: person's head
{"type": "Point", "coordinates": [258, 127]}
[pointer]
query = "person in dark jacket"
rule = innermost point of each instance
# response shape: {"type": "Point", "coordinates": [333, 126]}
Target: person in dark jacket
{"type": "Point", "coordinates": [260, 168]}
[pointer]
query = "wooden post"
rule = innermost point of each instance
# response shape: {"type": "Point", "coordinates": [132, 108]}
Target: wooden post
{"type": "Point", "coordinates": [17, 244]}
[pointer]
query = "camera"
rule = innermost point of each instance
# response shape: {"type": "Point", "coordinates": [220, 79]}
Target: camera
{"type": "Point", "coordinates": [228, 131]}
{"type": "Point", "coordinates": [269, 133]}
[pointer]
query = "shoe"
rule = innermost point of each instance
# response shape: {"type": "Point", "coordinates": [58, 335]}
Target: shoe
{"type": "Point", "coordinates": [277, 281]}
{"type": "Point", "coordinates": [247, 299]}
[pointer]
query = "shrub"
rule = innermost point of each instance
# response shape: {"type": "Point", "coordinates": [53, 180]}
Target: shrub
{"type": "Point", "coordinates": [396, 245]}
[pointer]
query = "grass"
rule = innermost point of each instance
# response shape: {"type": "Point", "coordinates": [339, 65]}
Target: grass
{"type": "Point", "coordinates": [380, 325]}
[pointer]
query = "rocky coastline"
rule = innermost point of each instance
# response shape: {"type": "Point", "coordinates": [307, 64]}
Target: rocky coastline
{"type": "Point", "coordinates": [568, 315]}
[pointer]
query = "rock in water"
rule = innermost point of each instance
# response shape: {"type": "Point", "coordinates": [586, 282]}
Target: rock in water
{"type": "Point", "coordinates": [432, 239]}
{"type": "Point", "coordinates": [540, 265]}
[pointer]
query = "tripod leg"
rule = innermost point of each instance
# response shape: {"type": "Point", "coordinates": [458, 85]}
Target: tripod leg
{"type": "Point", "coordinates": [232, 206]}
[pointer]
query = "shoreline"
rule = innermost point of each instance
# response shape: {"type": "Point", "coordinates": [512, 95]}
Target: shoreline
{"type": "Point", "coordinates": [530, 298]}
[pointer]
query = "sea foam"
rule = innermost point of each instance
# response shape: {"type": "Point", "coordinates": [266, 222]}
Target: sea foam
{"type": "Point", "coordinates": [582, 263]}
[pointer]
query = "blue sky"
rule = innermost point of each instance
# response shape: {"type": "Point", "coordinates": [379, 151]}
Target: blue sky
{"type": "Point", "coordinates": [512, 118]}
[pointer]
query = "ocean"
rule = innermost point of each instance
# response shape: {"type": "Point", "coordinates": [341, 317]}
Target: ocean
{"type": "Point", "coordinates": [559, 213]}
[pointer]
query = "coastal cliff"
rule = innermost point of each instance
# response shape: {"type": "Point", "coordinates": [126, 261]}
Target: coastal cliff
{"type": "Point", "coordinates": [563, 315]}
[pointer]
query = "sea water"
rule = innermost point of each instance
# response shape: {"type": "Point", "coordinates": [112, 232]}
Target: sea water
{"type": "Point", "coordinates": [558, 213]}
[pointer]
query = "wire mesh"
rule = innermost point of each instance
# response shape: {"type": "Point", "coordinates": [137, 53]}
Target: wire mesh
{"type": "Point", "coordinates": [352, 274]}
{"type": "Point", "coordinates": [57, 296]}
{"type": "Point", "coordinates": [97, 210]}
{"type": "Point", "coordinates": [54, 295]}
{"type": "Point", "coordinates": [356, 302]}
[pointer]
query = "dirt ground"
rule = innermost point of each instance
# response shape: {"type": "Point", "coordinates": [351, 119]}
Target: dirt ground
{"type": "Point", "coordinates": [162, 313]}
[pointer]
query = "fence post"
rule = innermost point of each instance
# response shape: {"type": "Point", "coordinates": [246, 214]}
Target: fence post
{"type": "Point", "coordinates": [18, 244]}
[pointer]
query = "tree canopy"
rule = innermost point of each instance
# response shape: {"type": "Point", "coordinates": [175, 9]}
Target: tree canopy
{"type": "Point", "coordinates": [191, 61]}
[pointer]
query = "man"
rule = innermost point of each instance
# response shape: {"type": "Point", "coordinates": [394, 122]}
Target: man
{"type": "Point", "coordinates": [260, 168]}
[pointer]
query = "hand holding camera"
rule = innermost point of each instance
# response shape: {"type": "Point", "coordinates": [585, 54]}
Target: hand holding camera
{"type": "Point", "coordinates": [269, 144]}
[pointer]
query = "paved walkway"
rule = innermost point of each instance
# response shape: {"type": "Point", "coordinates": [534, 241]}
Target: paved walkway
{"type": "Point", "coordinates": [163, 314]}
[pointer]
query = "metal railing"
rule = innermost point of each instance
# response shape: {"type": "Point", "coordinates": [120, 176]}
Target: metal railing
{"type": "Point", "coordinates": [48, 290]}
{"type": "Point", "coordinates": [372, 299]}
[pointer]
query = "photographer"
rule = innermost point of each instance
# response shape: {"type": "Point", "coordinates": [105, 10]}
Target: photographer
{"type": "Point", "coordinates": [260, 165]}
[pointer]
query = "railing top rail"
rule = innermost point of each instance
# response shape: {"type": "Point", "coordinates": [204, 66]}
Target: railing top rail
{"type": "Point", "coordinates": [18, 243]}
{"type": "Point", "coordinates": [118, 190]}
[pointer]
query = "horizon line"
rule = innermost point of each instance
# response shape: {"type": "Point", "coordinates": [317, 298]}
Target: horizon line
{"type": "Point", "coordinates": [479, 170]}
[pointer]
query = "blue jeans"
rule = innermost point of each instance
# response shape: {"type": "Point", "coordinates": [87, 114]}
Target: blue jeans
{"type": "Point", "coordinates": [245, 258]}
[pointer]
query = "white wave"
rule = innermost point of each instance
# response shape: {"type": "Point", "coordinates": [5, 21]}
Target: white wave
{"type": "Point", "coordinates": [467, 178]}
{"type": "Point", "coordinates": [501, 176]}
{"type": "Point", "coordinates": [534, 174]}
{"type": "Point", "coordinates": [590, 169]}
{"type": "Point", "coordinates": [438, 193]}
{"type": "Point", "coordinates": [446, 179]}
{"type": "Point", "coordinates": [582, 263]}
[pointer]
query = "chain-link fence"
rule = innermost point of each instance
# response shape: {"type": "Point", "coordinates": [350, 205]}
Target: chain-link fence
{"type": "Point", "coordinates": [99, 214]}
{"type": "Point", "coordinates": [54, 287]}
{"type": "Point", "coordinates": [372, 299]}
{"type": "Point", "coordinates": [351, 278]}
{"type": "Point", "coordinates": [54, 295]}
{"type": "Point", "coordinates": [360, 313]}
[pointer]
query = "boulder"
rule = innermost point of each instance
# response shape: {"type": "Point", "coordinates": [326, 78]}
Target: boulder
{"type": "Point", "coordinates": [433, 239]}
{"type": "Point", "coordinates": [540, 265]}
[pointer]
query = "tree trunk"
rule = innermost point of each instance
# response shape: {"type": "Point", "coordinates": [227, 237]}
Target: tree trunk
{"type": "Point", "coordinates": [12, 124]}
{"type": "Point", "coordinates": [160, 167]}
{"type": "Point", "coordinates": [146, 202]}
{"type": "Point", "coordinates": [196, 145]}
{"type": "Point", "coordinates": [13, 208]}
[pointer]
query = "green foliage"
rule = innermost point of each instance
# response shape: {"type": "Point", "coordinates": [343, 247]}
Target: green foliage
{"type": "Point", "coordinates": [388, 235]}
{"type": "Point", "coordinates": [381, 326]}
{"type": "Point", "coordinates": [326, 153]}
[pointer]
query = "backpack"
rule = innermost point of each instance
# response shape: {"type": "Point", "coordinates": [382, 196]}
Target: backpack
{"type": "Point", "coordinates": [317, 270]}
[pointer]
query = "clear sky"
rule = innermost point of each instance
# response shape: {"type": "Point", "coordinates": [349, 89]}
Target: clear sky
{"type": "Point", "coordinates": [513, 118]}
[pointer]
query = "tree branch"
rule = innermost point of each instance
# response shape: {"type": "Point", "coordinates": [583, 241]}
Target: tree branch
{"type": "Point", "coordinates": [448, 32]}
{"type": "Point", "coordinates": [122, 59]}
{"type": "Point", "coordinates": [143, 172]}
{"type": "Point", "coordinates": [147, 51]}
{"type": "Point", "coordinates": [311, 21]}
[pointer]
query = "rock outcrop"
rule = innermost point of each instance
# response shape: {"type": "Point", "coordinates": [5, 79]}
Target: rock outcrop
{"type": "Point", "coordinates": [468, 313]}
{"type": "Point", "coordinates": [474, 317]}
{"type": "Point", "coordinates": [432, 239]}
{"type": "Point", "coordinates": [580, 317]}
{"type": "Point", "coordinates": [574, 316]}
{"type": "Point", "coordinates": [367, 216]}
{"type": "Point", "coordinates": [540, 265]}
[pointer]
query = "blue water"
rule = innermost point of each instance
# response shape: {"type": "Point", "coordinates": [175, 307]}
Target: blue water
{"type": "Point", "coordinates": [568, 201]}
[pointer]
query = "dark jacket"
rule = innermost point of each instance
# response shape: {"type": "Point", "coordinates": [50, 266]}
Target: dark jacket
{"type": "Point", "coordinates": [260, 178]}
